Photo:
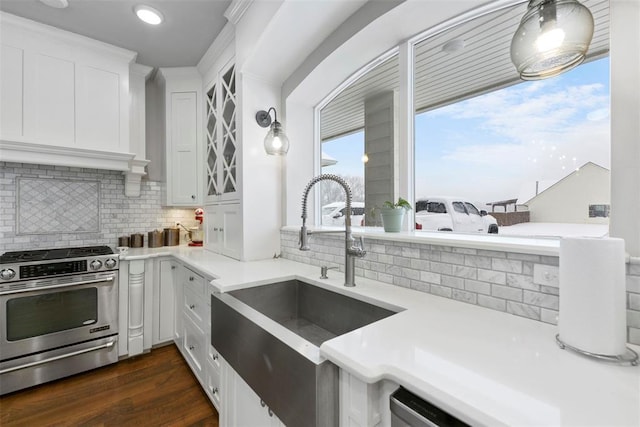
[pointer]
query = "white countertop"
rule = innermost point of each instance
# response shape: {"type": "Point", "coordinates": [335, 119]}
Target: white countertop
{"type": "Point", "coordinates": [487, 367]}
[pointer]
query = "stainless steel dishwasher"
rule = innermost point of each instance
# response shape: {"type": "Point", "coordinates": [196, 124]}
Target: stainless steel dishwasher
{"type": "Point", "coordinates": [409, 410]}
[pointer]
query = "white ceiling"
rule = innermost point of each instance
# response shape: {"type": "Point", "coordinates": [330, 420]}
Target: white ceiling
{"type": "Point", "coordinates": [189, 29]}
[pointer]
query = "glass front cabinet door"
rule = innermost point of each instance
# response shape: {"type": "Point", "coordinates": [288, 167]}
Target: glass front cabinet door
{"type": "Point", "coordinates": [221, 154]}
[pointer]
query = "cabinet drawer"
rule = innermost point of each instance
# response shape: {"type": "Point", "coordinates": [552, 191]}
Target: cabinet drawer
{"type": "Point", "coordinates": [193, 281]}
{"type": "Point", "coordinates": [194, 346]}
{"type": "Point", "coordinates": [213, 384]}
{"type": "Point", "coordinates": [196, 308]}
{"type": "Point", "coordinates": [213, 357]}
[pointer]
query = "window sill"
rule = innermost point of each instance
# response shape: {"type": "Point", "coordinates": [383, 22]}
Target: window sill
{"type": "Point", "coordinates": [527, 245]}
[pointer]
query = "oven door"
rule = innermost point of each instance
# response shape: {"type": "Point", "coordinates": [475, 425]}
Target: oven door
{"type": "Point", "coordinates": [46, 314]}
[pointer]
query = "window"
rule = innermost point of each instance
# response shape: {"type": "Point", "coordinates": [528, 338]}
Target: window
{"type": "Point", "coordinates": [598, 211]}
{"type": "Point", "coordinates": [484, 136]}
{"type": "Point", "coordinates": [428, 206]}
{"type": "Point", "coordinates": [481, 134]}
{"type": "Point", "coordinates": [459, 207]}
{"type": "Point", "coordinates": [471, 209]}
{"type": "Point", "coordinates": [357, 140]}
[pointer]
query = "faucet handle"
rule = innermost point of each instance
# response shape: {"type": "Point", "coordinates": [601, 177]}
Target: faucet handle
{"type": "Point", "coordinates": [357, 249]}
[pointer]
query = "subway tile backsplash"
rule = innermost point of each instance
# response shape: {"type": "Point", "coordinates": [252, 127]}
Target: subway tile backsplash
{"type": "Point", "coordinates": [521, 284]}
{"type": "Point", "coordinates": [39, 205]}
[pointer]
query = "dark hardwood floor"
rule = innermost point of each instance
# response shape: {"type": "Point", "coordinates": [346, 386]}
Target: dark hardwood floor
{"type": "Point", "coordinates": [155, 389]}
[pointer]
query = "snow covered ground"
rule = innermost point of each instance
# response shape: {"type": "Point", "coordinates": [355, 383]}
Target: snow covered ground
{"type": "Point", "coordinates": [555, 229]}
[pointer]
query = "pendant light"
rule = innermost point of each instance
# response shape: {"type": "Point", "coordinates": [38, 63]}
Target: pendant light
{"type": "Point", "coordinates": [553, 37]}
{"type": "Point", "coordinates": [276, 142]}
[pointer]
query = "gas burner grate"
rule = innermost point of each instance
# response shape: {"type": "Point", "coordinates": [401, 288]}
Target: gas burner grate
{"type": "Point", "coordinates": [89, 251]}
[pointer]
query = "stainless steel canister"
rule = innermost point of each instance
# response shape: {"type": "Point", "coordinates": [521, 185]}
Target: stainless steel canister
{"type": "Point", "coordinates": [171, 236]}
{"type": "Point", "coordinates": [137, 240]}
{"type": "Point", "coordinates": [155, 239]}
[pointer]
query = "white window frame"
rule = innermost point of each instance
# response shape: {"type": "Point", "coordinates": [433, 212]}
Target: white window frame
{"type": "Point", "coordinates": [625, 131]}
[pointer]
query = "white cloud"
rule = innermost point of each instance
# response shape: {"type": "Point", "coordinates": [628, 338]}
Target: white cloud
{"type": "Point", "coordinates": [533, 131]}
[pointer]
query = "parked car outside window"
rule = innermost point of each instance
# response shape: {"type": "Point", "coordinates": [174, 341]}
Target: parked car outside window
{"type": "Point", "coordinates": [453, 214]}
{"type": "Point", "coordinates": [334, 213]}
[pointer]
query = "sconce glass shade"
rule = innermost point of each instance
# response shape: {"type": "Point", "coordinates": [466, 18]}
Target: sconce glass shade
{"type": "Point", "coordinates": [276, 142]}
{"type": "Point", "coordinates": [553, 37]}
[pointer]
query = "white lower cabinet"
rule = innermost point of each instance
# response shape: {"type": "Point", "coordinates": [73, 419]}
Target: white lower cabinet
{"type": "Point", "coordinates": [164, 306]}
{"type": "Point", "coordinates": [213, 385]}
{"type": "Point", "coordinates": [135, 316]}
{"type": "Point", "coordinates": [237, 404]}
{"type": "Point", "coordinates": [195, 306]}
{"type": "Point", "coordinates": [223, 229]}
{"type": "Point", "coordinates": [245, 408]}
{"type": "Point", "coordinates": [194, 346]}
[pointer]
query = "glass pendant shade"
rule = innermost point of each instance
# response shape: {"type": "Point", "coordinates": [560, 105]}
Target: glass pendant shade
{"type": "Point", "coordinates": [553, 37]}
{"type": "Point", "coordinates": [276, 142]}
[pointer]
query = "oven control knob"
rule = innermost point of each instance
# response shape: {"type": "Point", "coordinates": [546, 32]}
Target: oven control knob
{"type": "Point", "coordinates": [7, 274]}
{"type": "Point", "coordinates": [110, 263]}
{"type": "Point", "coordinates": [95, 265]}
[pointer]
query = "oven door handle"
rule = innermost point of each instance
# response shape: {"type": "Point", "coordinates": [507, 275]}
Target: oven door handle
{"type": "Point", "coordinates": [63, 285]}
{"type": "Point", "coordinates": [62, 356]}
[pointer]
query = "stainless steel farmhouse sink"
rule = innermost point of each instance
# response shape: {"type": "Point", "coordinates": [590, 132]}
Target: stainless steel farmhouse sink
{"type": "Point", "coordinates": [271, 336]}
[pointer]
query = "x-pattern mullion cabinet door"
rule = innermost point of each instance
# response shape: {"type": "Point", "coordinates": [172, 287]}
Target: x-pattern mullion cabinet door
{"type": "Point", "coordinates": [221, 133]}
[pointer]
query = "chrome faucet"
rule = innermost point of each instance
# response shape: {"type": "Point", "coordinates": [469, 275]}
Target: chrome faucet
{"type": "Point", "coordinates": [351, 248]}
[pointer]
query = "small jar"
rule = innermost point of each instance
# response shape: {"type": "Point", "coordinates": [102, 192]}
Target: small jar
{"type": "Point", "coordinates": [155, 239]}
{"type": "Point", "coordinates": [123, 241]}
{"type": "Point", "coordinates": [137, 240]}
{"type": "Point", "coordinates": [171, 236]}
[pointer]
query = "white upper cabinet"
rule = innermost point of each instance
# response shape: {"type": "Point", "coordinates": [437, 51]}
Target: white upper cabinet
{"type": "Point", "coordinates": [98, 108]}
{"type": "Point", "coordinates": [62, 92]}
{"type": "Point", "coordinates": [49, 100]}
{"type": "Point", "coordinates": [11, 105]}
{"type": "Point", "coordinates": [182, 90]}
{"type": "Point", "coordinates": [221, 137]}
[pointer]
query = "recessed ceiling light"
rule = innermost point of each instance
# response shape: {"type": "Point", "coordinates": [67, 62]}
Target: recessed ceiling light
{"type": "Point", "coordinates": [58, 4]}
{"type": "Point", "coordinates": [148, 14]}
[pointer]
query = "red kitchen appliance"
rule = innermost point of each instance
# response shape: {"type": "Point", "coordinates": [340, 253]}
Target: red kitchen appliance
{"type": "Point", "coordinates": [196, 234]}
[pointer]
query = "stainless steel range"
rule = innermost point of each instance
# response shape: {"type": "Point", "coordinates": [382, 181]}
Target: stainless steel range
{"type": "Point", "coordinates": [59, 314]}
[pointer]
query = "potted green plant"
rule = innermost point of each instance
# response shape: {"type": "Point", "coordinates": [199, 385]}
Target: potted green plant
{"type": "Point", "coordinates": [392, 214]}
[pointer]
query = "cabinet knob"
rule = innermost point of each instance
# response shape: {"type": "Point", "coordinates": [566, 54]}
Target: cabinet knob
{"type": "Point", "coordinates": [193, 197]}
{"type": "Point", "coordinates": [173, 267]}
{"type": "Point", "coordinates": [215, 357]}
{"type": "Point", "coordinates": [216, 229]}
{"type": "Point", "coordinates": [221, 229]}
{"type": "Point", "coordinates": [270, 412]}
{"type": "Point", "coordinates": [192, 306]}
{"type": "Point", "coordinates": [262, 403]}
{"type": "Point", "coordinates": [191, 278]}
{"type": "Point", "coordinates": [191, 347]}
{"type": "Point", "coordinates": [214, 391]}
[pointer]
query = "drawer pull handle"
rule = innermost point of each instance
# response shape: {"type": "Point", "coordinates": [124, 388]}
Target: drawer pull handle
{"type": "Point", "coordinates": [191, 279]}
{"type": "Point", "coordinates": [262, 403]}
{"type": "Point", "coordinates": [192, 306]}
{"type": "Point", "coordinates": [214, 391]}
{"type": "Point", "coordinates": [191, 347]}
{"type": "Point", "coordinates": [215, 357]}
{"type": "Point", "coordinates": [270, 412]}
{"type": "Point", "coordinates": [173, 267]}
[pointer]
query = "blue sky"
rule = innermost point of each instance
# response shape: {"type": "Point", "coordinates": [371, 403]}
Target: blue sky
{"type": "Point", "coordinates": [493, 146]}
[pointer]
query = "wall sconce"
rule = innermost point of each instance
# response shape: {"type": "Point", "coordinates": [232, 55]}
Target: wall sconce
{"type": "Point", "coordinates": [276, 142]}
{"type": "Point", "coordinates": [553, 37]}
